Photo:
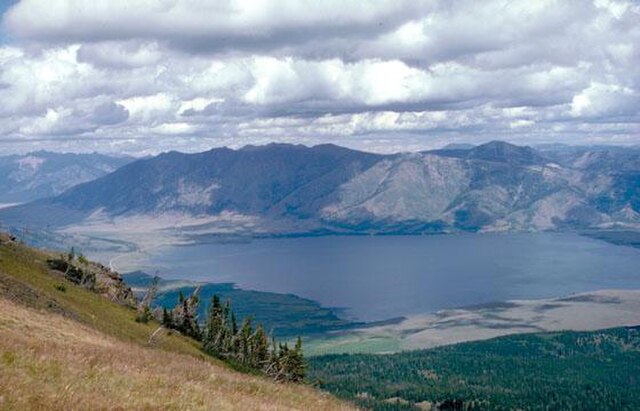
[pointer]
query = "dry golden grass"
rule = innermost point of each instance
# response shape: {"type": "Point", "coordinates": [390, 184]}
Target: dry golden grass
{"type": "Point", "coordinates": [55, 363]}
{"type": "Point", "coordinates": [77, 350]}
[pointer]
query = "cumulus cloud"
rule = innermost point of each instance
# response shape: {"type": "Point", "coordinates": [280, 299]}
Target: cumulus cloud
{"type": "Point", "coordinates": [110, 113]}
{"type": "Point", "coordinates": [206, 25]}
{"type": "Point", "coordinates": [605, 100]}
{"type": "Point", "coordinates": [144, 76]}
{"type": "Point", "coordinates": [120, 55]}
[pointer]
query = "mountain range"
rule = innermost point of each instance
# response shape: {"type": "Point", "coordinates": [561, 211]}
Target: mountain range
{"type": "Point", "coordinates": [40, 174]}
{"type": "Point", "coordinates": [282, 189]}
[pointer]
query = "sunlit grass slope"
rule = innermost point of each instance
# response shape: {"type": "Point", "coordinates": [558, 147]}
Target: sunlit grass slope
{"type": "Point", "coordinates": [75, 349]}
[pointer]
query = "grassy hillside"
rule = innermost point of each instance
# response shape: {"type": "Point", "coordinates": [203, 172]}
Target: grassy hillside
{"type": "Point", "coordinates": [597, 370]}
{"type": "Point", "coordinates": [64, 347]}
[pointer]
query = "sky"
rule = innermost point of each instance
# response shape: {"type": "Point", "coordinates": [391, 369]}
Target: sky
{"type": "Point", "coordinates": [145, 76]}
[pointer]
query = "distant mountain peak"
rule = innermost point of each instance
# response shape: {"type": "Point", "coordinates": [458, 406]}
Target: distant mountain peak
{"type": "Point", "coordinates": [503, 152]}
{"type": "Point", "coordinates": [41, 173]}
{"type": "Point", "coordinates": [270, 146]}
{"type": "Point", "coordinates": [497, 151]}
{"type": "Point", "coordinates": [458, 146]}
{"type": "Point", "coordinates": [499, 145]}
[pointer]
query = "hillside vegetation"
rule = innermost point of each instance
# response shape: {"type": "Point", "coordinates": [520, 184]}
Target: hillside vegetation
{"type": "Point", "coordinates": [65, 347]}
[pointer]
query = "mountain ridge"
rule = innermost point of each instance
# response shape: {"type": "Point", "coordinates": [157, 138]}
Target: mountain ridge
{"type": "Point", "coordinates": [281, 189]}
{"type": "Point", "coordinates": [41, 174]}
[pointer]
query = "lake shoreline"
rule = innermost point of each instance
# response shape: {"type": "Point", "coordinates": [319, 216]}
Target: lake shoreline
{"type": "Point", "coordinates": [400, 324]}
{"type": "Point", "coordinates": [382, 277]}
{"type": "Point", "coordinates": [588, 311]}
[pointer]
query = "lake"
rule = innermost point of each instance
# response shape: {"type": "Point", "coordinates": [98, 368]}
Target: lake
{"type": "Point", "coordinates": [375, 278]}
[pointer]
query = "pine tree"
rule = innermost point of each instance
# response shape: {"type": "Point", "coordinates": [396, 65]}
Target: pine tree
{"type": "Point", "coordinates": [260, 348]}
{"type": "Point", "coordinates": [144, 315]}
{"type": "Point", "coordinates": [247, 345]}
{"type": "Point", "coordinates": [214, 328]}
{"type": "Point", "coordinates": [226, 335]}
{"type": "Point", "coordinates": [283, 362]}
{"type": "Point", "coordinates": [185, 315]}
{"type": "Point", "coordinates": [246, 331]}
{"type": "Point", "coordinates": [297, 366]}
{"type": "Point", "coordinates": [167, 318]}
{"type": "Point", "coordinates": [189, 324]}
{"type": "Point", "coordinates": [272, 366]}
{"type": "Point", "coordinates": [234, 324]}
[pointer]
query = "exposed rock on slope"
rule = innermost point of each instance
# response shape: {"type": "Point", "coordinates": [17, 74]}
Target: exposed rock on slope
{"type": "Point", "coordinates": [285, 189]}
{"type": "Point", "coordinates": [44, 174]}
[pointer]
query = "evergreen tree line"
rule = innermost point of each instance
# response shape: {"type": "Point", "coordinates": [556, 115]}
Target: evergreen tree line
{"type": "Point", "coordinates": [244, 344]}
{"type": "Point", "coordinates": [594, 370]}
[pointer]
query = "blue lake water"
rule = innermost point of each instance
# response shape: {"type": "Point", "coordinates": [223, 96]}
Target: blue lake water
{"type": "Point", "coordinates": [376, 278]}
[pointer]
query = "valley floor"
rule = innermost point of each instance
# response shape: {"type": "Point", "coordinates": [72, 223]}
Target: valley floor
{"type": "Point", "coordinates": [578, 312]}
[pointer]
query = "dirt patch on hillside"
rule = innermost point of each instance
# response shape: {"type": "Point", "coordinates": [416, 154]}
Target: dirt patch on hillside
{"type": "Point", "coordinates": [19, 292]}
